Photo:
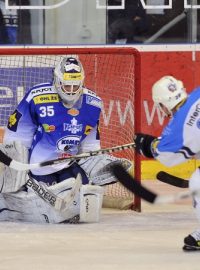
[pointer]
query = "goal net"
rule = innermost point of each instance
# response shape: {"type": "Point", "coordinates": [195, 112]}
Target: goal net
{"type": "Point", "coordinates": [113, 73]}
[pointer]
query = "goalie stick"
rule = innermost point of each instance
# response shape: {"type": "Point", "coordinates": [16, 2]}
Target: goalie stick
{"type": "Point", "coordinates": [138, 189]}
{"type": "Point", "coordinates": [25, 167]}
{"type": "Point", "coordinates": [172, 180]}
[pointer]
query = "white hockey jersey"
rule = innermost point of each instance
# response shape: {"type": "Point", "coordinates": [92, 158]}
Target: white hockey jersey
{"type": "Point", "coordinates": [50, 130]}
{"type": "Point", "coordinates": [180, 139]}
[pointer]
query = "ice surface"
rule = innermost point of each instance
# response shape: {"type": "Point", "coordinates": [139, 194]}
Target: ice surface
{"type": "Point", "coordinates": [123, 240]}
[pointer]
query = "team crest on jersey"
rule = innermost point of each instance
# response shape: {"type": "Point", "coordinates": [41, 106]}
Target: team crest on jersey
{"type": "Point", "coordinates": [14, 120]}
{"type": "Point", "coordinates": [74, 127]}
{"type": "Point", "coordinates": [73, 112]}
{"type": "Point", "coordinates": [67, 141]}
{"type": "Point", "coordinates": [48, 128]}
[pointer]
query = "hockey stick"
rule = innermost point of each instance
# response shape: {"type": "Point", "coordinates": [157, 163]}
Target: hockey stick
{"type": "Point", "coordinates": [25, 167]}
{"type": "Point", "coordinates": [172, 180]}
{"type": "Point", "coordinates": [59, 204]}
{"type": "Point", "coordinates": [138, 189]}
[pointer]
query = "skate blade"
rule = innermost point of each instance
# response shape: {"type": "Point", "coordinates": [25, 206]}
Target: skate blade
{"type": "Point", "coordinates": [190, 248]}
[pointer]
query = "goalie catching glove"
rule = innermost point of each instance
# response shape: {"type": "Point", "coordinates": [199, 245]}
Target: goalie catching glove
{"type": "Point", "coordinates": [143, 144]}
{"type": "Point", "coordinates": [98, 170]}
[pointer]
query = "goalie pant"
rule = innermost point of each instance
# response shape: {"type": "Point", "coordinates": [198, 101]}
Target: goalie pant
{"type": "Point", "coordinates": [26, 206]}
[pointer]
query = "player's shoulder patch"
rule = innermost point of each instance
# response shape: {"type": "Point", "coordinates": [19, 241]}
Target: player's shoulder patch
{"type": "Point", "coordinates": [14, 120]}
{"type": "Point", "coordinates": [92, 98]}
{"type": "Point", "coordinates": [44, 91]}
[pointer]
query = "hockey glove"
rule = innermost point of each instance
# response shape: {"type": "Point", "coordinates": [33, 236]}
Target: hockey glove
{"type": "Point", "coordinates": [143, 144]}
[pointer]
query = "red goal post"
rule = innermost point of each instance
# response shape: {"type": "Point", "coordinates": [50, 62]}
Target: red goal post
{"type": "Point", "coordinates": [114, 73]}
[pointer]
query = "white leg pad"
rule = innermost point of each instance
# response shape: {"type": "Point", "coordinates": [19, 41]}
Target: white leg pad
{"type": "Point", "coordinates": [29, 207]}
{"type": "Point", "coordinates": [91, 199]}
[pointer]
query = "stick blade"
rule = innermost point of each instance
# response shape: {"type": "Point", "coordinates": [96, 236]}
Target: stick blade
{"type": "Point", "coordinates": [131, 184]}
{"type": "Point", "coordinates": [172, 180]}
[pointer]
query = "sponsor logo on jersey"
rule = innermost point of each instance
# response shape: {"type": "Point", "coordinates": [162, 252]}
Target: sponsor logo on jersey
{"type": "Point", "coordinates": [194, 116]}
{"type": "Point", "coordinates": [50, 98]}
{"type": "Point", "coordinates": [14, 120]}
{"type": "Point", "coordinates": [41, 90]}
{"type": "Point", "coordinates": [68, 141]}
{"type": "Point", "coordinates": [74, 127]}
{"type": "Point", "coordinates": [93, 101]}
{"type": "Point", "coordinates": [73, 112]}
{"type": "Point", "coordinates": [48, 128]}
{"type": "Point", "coordinates": [87, 129]}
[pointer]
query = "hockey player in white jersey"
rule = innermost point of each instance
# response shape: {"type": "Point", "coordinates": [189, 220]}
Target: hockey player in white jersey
{"type": "Point", "coordinates": [52, 121]}
{"type": "Point", "coordinates": [179, 140]}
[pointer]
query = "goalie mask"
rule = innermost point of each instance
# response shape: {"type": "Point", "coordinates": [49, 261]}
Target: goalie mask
{"type": "Point", "coordinates": [68, 79]}
{"type": "Point", "coordinates": [168, 92]}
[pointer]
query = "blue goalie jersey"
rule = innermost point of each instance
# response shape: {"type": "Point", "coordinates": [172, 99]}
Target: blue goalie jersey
{"type": "Point", "coordinates": [50, 130]}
